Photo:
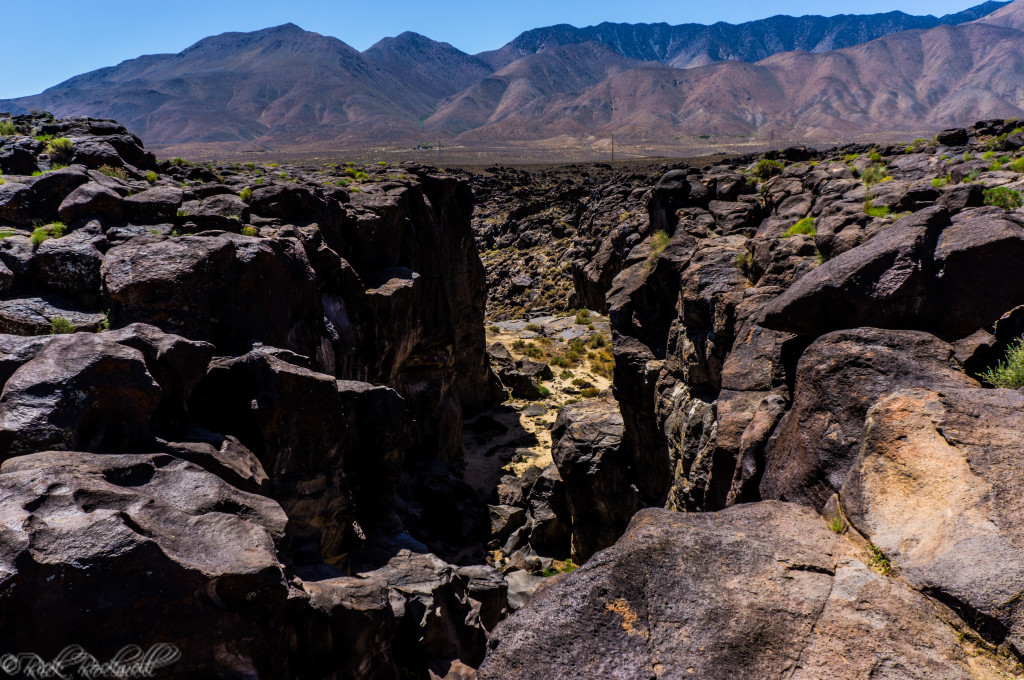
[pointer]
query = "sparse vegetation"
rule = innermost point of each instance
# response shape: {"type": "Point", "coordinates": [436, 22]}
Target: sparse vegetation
{"type": "Point", "coordinates": [940, 182]}
{"type": "Point", "coordinates": [534, 328]}
{"type": "Point", "coordinates": [766, 169]}
{"type": "Point", "coordinates": [59, 326]}
{"type": "Point", "coordinates": [874, 156]}
{"type": "Point", "coordinates": [658, 244]}
{"type": "Point", "coordinates": [60, 150]}
{"type": "Point", "coordinates": [875, 175]}
{"type": "Point", "coordinates": [879, 562]}
{"type": "Point", "coordinates": [179, 162]}
{"type": "Point", "coordinates": [151, 177]}
{"type": "Point", "coordinates": [583, 317]}
{"type": "Point", "coordinates": [590, 392]}
{"type": "Point", "coordinates": [836, 523]}
{"type": "Point", "coordinates": [7, 128]}
{"type": "Point", "coordinates": [972, 176]}
{"type": "Point", "coordinates": [1009, 373]}
{"type": "Point", "coordinates": [567, 568]}
{"type": "Point", "coordinates": [1003, 197]}
{"type": "Point", "coordinates": [110, 171]}
{"type": "Point", "coordinates": [105, 324]}
{"type": "Point", "coordinates": [248, 230]}
{"type": "Point", "coordinates": [851, 157]}
{"type": "Point", "coordinates": [804, 226]}
{"type": "Point", "coordinates": [245, 195]}
{"type": "Point", "coordinates": [39, 236]}
{"type": "Point", "coordinates": [876, 211]}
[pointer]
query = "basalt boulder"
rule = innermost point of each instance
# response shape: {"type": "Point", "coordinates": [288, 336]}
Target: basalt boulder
{"type": "Point", "coordinates": [710, 595]}
{"type": "Point", "coordinates": [147, 550]}
{"type": "Point", "coordinates": [839, 377]}
{"type": "Point", "coordinates": [937, 489]}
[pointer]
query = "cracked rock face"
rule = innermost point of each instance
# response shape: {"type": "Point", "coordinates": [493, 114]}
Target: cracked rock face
{"type": "Point", "coordinates": [758, 591]}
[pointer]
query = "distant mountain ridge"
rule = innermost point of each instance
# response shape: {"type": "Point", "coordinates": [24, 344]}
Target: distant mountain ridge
{"type": "Point", "coordinates": [284, 86]}
{"type": "Point", "coordinates": [690, 45]}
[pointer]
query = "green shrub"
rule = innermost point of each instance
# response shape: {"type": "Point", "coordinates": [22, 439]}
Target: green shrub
{"type": "Point", "coordinates": [105, 324]}
{"type": "Point", "coordinates": [658, 244]}
{"type": "Point", "coordinates": [545, 392]}
{"type": "Point", "coordinates": [566, 375]}
{"type": "Point", "coordinates": [804, 226]}
{"type": "Point", "coordinates": [583, 317]}
{"type": "Point", "coordinates": [851, 157]}
{"type": "Point", "coordinates": [151, 177]}
{"type": "Point", "coordinates": [7, 233]}
{"type": "Point", "coordinates": [7, 128]}
{"type": "Point", "coordinates": [1003, 197]}
{"type": "Point", "coordinates": [43, 138]}
{"type": "Point", "coordinates": [58, 230]}
{"type": "Point", "coordinates": [766, 169]}
{"type": "Point", "coordinates": [245, 195]}
{"type": "Point", "coordinates": [879, 562]}
{"type": "Point", "coordinates": [995, 167]}
{"type": "Point", "coordinates": [534, 328]}
{"type": "Point", "coordinates": [60, 150]}
{"type": "Point", "coordinates": [875, 175]}
{"type": "Point", "coordinates": [876, 211]}
{"type": "Point", "coordinates": [972, 176]}
{"type": "Point", "coordinates": [382, 164]}
{"type": "Point", "coordinates": [836, 523]}
{"type": "Point", "coordinates": [1008, 373]}
{"type": "Point", "coordinates": [596, 341]}
{"type": "Point", "coordinates": [110, 171]}
{"type": "Point", "coordinates": [589, 392]}
{"type": "Point", "coordinates": [874, 156]}
{"type": "Point", "coordinates": [39, 235]}
{"type": "Point", "coordinates": [59, 326]}
{"type": "Point", "coordinates": [179, 162]}
{"type": "Point", "coordinates": [1017, 165]}
{"type": "Point", "coordinates": [940, 182]}
{"type": "Point", "coordinates": [967, 157]}
{"type": "Point", "coordinates": [518, 344]}
{"type": "Point", "coordinates": [561, 362]}
{"type": "Point", "coordinates": [988, 155]}
{"type": "Point", "coordinates": [248, 231]}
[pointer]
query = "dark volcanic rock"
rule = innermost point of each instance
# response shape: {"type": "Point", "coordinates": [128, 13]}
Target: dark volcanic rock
{"type": "Point", "coordinates": [586, 447]}
{"type": "Point", "coordinates": [213, 289]}
{"type": "Point", "coordinates": [778, 579]}
{"type": "Point", "coordinates": [936, 488]}
{"type": "Point", "coordinates": [80, 392]}
{"type": "Point", "coordinates": [839, 377]}
{"type": "Point", "coordinates": [148, 549]}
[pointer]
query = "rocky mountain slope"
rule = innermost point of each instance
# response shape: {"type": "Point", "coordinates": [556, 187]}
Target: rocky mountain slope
{"type": "Point", "coordinates": [284, 87]}
{"type": "Point", "coordinates": [248, 412]}
{"type": "Point", "coordinates": [690, 45]}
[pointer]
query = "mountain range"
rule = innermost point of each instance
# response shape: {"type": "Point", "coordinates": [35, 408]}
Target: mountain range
{"type": "Point", "coordinates": [806, 77]}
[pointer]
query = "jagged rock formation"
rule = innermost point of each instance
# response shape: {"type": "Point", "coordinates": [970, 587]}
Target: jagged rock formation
{"type": "Point", "coordinates": [228, 407]}
{"type": "Point", "coordinates": [811, 328]}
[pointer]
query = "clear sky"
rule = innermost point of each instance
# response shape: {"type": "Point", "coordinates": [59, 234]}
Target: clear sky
{"type": "Point", "coordinates": [52, 41]}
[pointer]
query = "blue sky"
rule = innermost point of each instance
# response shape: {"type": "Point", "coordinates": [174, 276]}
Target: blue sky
{"type": "Point", "coordinates": [68, 37]}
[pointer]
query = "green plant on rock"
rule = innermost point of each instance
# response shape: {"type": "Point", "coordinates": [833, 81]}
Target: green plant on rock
{"type": "Point", "coordinates": [972, 176]}
{"type": "Point", "coordinates": [248, 230]}
{"type": "Point", "coordinates": [876, 211]}
{"type": "Point", "coordinates": [58, 230]}
{"type": "Point", "coordinates": [851, 157]}
{"type": "Point", "coordinates": [804, 226]}
{"type": "Point", "coordinates": [1017, 165]}
{"type": "Point", "coordinates": [1009, 373]}
{"type": "Point", "coordinates": [105, 324]}
{"type": "Point", "coordinates": [658, 244]}
{"type": "Point", "coordinates": [246, 195]}
{"type": "Point", "coordinates": [879, 562]}
{"type": "Point", "coordinates": [590, 392]}
{"type": "Point", "coordinates": [836, 522]}
{"type": "Point", "coordinates": [60, 150]}
{"type": "Point", "coordinates": [151, 177]}
{"type": "Point", "coordinates": [583, 317]}
{"type": "Point", "coordinates": [111, 171]}
{"type": "Point", "coordinates": [766, 169]}
{"type": "Point", "coordinates": [874, 156]}
{"type": "Point", "coordinates": [8, 128]}
{"type": "Point", "coordinates": [59, 326]}
{"type": "Point", "coordinates": [1003, 197]}
{"type": "Point", "coordinates": [545, 392]}
{"type": "Point", "coordinates": [7, 233]}
{"type": "Point", "coordinates": [596, 341]}
{"type": "Point", "coordinates": [940, 182]}
{"type": "Point", "coordinates": [875, 175]}
{"type": "Point", "coordinates": [179, 162]}
{"type": "Point", "coordinates": [39, 236]}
